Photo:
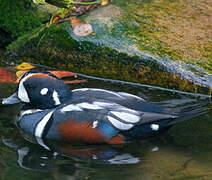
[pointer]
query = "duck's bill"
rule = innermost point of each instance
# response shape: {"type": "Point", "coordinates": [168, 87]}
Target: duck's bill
{"type": "Point", "coordinates": [13, 99]}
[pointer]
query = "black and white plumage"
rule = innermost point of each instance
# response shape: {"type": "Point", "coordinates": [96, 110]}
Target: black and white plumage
{"type": "Point", "coordinates": [85, 115]}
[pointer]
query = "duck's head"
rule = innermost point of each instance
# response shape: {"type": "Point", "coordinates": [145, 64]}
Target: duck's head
{"type": "Point", "coordinates": [40, 90]}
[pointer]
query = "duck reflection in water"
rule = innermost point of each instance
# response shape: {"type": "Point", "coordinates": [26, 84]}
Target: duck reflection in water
{"type": "Point", "coordinates": [32, 156]}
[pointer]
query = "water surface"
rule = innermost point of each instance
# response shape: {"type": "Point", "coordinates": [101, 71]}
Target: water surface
{"type": "Point", "coordinates": [184, 152]}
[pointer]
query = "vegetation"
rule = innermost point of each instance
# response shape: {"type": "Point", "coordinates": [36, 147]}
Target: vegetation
{"type": "Point", "coordinates": [180, 30]}
{"type": "Point", "coordinates": [123, 34]}
{"type": "Point", "coordinates": [17, 18]}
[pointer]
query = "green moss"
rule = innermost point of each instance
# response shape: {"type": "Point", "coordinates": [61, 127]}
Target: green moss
{"type": "Point", "coordinates": [117, 50]}
{"type": "Point", "coordinates": [178, 30]}
{"type": "Point", "coordinates": [58, 49]}
{"type": "Point", "coordinates": [17, 18]}
{"type": "Point", "coordinates": [22, 40]}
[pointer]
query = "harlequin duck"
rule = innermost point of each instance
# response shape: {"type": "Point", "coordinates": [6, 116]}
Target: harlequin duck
{"type": "Point", "coordinates": [87, 115]}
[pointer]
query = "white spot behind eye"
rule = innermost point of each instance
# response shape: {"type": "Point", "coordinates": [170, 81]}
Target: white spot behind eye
{"type": "Point", "coordinates": [155, 127]}
{"type": "Point", "coordinates": [56, 98]}
{"type": "Point", "coordinates": [44, 91]}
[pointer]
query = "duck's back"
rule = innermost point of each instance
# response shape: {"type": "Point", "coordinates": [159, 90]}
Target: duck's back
{"type": "Point", "coordinates": [124, 99]}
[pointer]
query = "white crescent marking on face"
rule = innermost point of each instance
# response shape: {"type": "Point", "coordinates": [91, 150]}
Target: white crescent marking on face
{"type": "Point", "coordinates": [118, 124]}
{"type": "Point", "coordinates": [22, 93]}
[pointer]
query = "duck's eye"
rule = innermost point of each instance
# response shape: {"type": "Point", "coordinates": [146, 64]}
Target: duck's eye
{"type": "Point", "coordinates": [44, 91]}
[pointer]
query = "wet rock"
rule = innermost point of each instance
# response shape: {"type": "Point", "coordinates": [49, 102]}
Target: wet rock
{"type": "Point", "coordinates": [161, 43]}
{"type": "Point", "coordinates": [172, 163]}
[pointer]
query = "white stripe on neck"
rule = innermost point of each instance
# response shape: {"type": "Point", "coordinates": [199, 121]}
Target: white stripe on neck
{"type": "Point", "coordinates": [41, 125]}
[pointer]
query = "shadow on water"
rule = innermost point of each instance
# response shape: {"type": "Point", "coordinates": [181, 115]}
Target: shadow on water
{"type": "Point", "coordinates": [184, 152]}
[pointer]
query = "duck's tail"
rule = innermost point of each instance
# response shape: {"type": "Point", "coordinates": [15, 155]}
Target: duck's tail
{"type": "Point", "coordinates": [187, 112]}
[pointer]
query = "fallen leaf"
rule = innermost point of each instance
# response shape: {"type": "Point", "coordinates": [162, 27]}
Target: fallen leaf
{"type": "Point", "coordinates": [25, 66]}
{"type": "Point", "coordinates": [103, 3]}
{"type": "Point", "coordinates": [80, 28]}
{"type": "Point", "coordinates": [61, 74]}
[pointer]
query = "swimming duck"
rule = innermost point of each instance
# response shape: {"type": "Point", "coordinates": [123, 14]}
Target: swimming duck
{"type": "Point", "coordinates": [86, 115]}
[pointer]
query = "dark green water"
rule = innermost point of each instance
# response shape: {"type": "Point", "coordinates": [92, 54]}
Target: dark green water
{"type": "Point", "coordinates": [183, 153]}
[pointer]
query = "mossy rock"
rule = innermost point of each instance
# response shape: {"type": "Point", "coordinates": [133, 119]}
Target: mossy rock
{"type": "Point", "coordinates": [130, 43]}
{"type": "Point", "coordinates": [20, 17]}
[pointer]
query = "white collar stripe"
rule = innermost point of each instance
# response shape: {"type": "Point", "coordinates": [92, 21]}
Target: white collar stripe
{"type": "Point", "coordinates": [41, 125]}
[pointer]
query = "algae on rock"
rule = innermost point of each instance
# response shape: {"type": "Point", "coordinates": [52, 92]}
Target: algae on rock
{"type": "Point", "coordinates": [134, 41]}
{"type": "Point", "coordinates": [21, 17]}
